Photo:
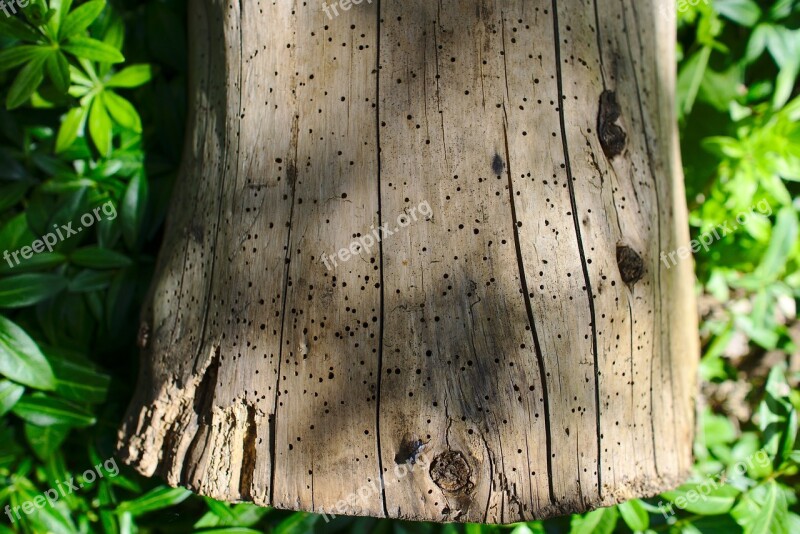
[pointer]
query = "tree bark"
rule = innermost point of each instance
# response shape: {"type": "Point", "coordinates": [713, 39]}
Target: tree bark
{"type": "Point", "coordinates": [521, 350]}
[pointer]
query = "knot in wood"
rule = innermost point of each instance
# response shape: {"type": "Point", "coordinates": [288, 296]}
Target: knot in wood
{"type": "Point", "coordinates": [612, 136]}
{"type": "Point", "coordinates": [631, 266]}
{"type": "Point", "coordinates": [450, 471]}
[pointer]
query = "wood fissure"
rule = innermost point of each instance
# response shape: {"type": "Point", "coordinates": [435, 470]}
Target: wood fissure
{"type": "Point", "coordinates": [581, 251]}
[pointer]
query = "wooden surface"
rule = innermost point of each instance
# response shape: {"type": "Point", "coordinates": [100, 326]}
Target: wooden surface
{"type": "Point", "coordinates": [518, 351]}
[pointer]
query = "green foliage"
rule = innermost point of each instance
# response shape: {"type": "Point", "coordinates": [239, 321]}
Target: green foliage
{"type": "Point", "coordinates": [90, 88]}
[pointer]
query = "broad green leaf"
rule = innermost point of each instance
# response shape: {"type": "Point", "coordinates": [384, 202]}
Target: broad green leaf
{"type": "Point", "coordinates": [717, 429]}
{"type": "Point", "coordinates": [49, 519]}
{"type": "Point", "coordinates": [772, 512]}
{"type": "Point", "coordinates": [38, 262]}
{"type": "Point", "coordinates": [122, 111]}
{"type": "Point", "coordinates": [156, 499]}
{"type": "Point", "coordinates": [784, 239]}
{"type": "Point", "coordinates": [92, 49]}
{"type": "Point", "coordinates": [221, 510]}
{"type": "Point", "coordinates": [21, 360]}
{"type": "Point", "coordinates": [70, 127]}
{"type": "Point", "coordinates": [24, 290]}
{"type": "Point", "coordinates": [297, 522]}
{"type": "Point", "coordinates": [10, 393]}
{"type": "Point", "coordinates": [81, 18]}
{"type": "Point", "coordinates": [100, 126]}
{"type": "Point", "coordinates": [58, 71]}
{"type": "Point", "coordinates": [600, 521]}
{"type": "Point", "coordinates": [133, 209]}
{"type": "Point", "coordinates": [634, 515]}
{"type": "Point", "coordinates": [61, 10]}
{"type": "Point", "coordinates": [710, 497]}
{"type": "Point", "coordinates": [132, 76]}
{"type": "Point", "coordinates": [27, 81]}
{"type": "Point", "coordinates": [690, 78]}
{"type": "Point", "coordinates": [90, 280]}
{"type": "Point", "coordinates": [45, 439]}
{"type": "Point", "coordinates": [79, 382]}
{"type": "Point", "coordinates": [16, 28]}
{"type": "Point", "coordinates": [777, 416]}
{"type": "Point", "coordinates": [744, 12]}
{"type": "Point", "coordinates": [17, 55]}
{"type": "Point", "coordinates": [44, 411]}
{"type": "Point", "coordinates": [785, 84]}
{"type": "Point", "coordinates": [99, 258]}
{"type": "Point", "coordinates": [12, 193]}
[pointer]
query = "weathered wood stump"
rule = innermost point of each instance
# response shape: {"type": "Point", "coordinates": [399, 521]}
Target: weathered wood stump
{"type": "Point", "coordinates": [512, 348]}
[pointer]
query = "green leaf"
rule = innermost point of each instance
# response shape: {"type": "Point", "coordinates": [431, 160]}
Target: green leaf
{"type": "Point", "coordinates": [92, 49]}
{"type": "Point", "coordinates": [132, 76]}
{"type": "Point", "coordinates": [710, 497]}
{"type": "Point", "coordinates": [634, 515]}
{"type": "Point", "coordinates": [122, 111]}
{"type": "Point", "coordinates": [28, 289]}
{"type": "Point", "coordinates": [777, 417]}
{"type": "Point", "coordinates": [45, 411]}
{"type": "Point", "coordinates": [38, 262]}
{"type": "Point", "coordinates": [17, 55]}
{"type": "Point", "coordinates": [70, 127]}
{"type": "Point", "coordinates": [21, 360]}
{"type": "Point", "coordinates": [784, 239]}
{"type": "Point", "coordinates": [133, 209]}
{"type": "Point", "coordinates": [44, 440]}
{"type": "Point", "coordinates": [81, 18]}
{"type": "Point", "coordinates": [14, 27]}
{"type": "Point", "coordinates": [161, 497]}
{"type": "Point", "coordinates": [79, 382]}
{"type": "Point", "coordinates": [12, 193]}
{"type": "Point", "coordinates": [58, 71]}
{"type": "Point", "coordinates": [768, 519]}
{"type": "Point", "coordinates": [60, 9]}
{"type": "Point", "coordinates": [90, 280]}
{"type": "Point", "coordinates": [744, 12]}
{"type": "Point", "coordinates": [100, 258]}
{"type": "Point", "coordinates": [100, 126]}
{"type": "Point", "coordinates": [690, 78]}
{"type": "Point", "coordinates": [10, 393]}
{"type": "Point", "coordinates": [27, 81]}
{"type": "Point", "coordinates": [297, 522]}
{"type": "Point", "coordinates": [600, 521]}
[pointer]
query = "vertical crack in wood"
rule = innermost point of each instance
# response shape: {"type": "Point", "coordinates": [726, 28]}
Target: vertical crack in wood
{"type": "Point", "coordinates": [576, 223]}
{"type": "Point", "coordinates": [291, 176]}
{"type": "Point", "coordinates": [650, 163]}
{"type": "Point", "coordinates": [249, 454]}
{"type": "Point", "coordinates": [380, 253]}
{"type": "Point", "coordinates": [529, 308]}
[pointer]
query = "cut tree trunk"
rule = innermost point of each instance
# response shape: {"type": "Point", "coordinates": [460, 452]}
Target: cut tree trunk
{"type": "Point", "coordinates": [520, 350]}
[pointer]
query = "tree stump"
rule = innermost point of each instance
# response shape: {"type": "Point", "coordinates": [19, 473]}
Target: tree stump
{"type": "Point", "coordinates": [511, 348]}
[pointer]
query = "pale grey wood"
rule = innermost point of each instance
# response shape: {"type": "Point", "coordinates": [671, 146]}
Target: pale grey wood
{"type": "Point", "coordinates": [517, 352]}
